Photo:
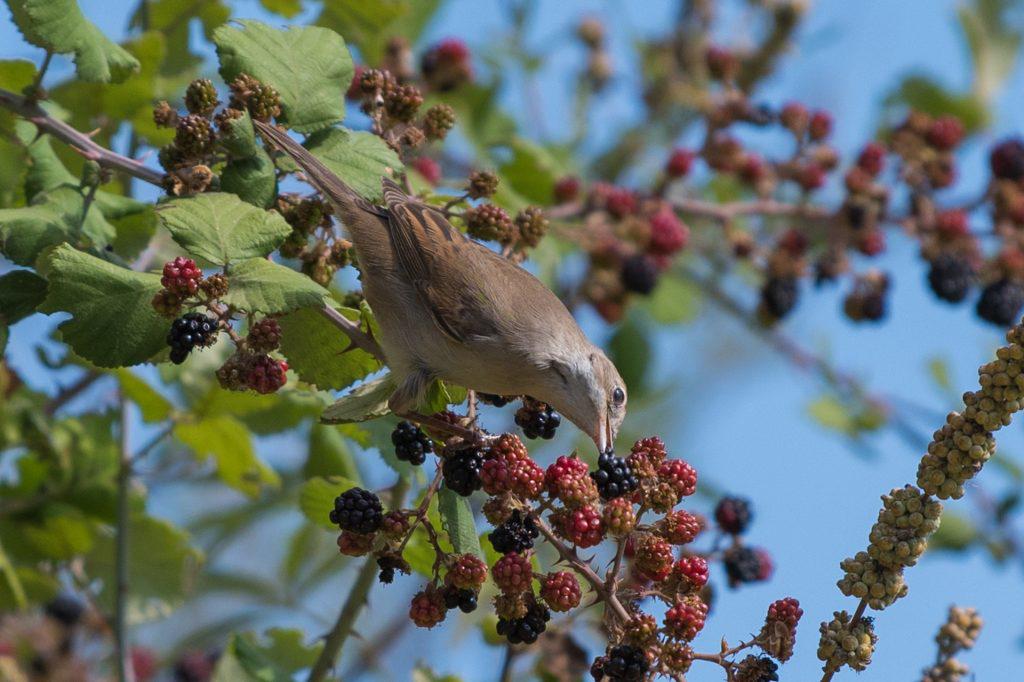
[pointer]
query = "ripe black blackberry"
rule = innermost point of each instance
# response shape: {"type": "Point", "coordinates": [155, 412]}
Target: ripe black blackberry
{"type": "Point", "coordinates": [779, 295]}
{"type": "Point", "coordinates": [757, 669]}
{"type": "Point", "coordinates": [537, 420]}
{"type": "Point", "coordinates": [358, 511]}
{"type": "Point", "coordinates": [733, 514]}
{"type": "Point", "coordinates": [515, 535]}
{"type": "Point", "coordinates": [496, 400]}
{"type": "Point", "coordinates": [411, 444]}
{"type": "Point", "coordinates": [464, 600]}
{"type": "Point", "coordinates": [189, 331]}
{"type": "Point", "coordinates": [66, 609]}
{"type": "Point", "coordinates": [614, 478]}
{"type": "Point", "coordinates": [950, 277]}
{"type": "Point", "coordinates": [388, 563]}
{"type": "Point", "coordinates": [525, 630]}
{"type": "Point", "coordinates": [639, 274]}
{"type": "Point", "coordinates": [742, 565]}
{"type": "Point", "coordinates": [1007, 159]}
{"type": "Point", "coordinates": [625, 663]}
{"type": "Point", "coordinates": [1001, 301]}
{"type": "Point", "coordinates": [461, 471]}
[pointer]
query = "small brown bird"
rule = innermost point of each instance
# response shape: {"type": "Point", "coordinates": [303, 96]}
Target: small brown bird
{"type": "Point", "coordinates": [452, 309]}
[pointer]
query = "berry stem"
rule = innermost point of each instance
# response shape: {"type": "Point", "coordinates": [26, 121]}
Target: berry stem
{"type": "Point", "coordinates": [725, 653]}
{"type": "Point", "coordinates": [583, 568]}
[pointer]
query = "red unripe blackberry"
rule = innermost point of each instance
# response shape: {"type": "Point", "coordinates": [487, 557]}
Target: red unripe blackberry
{"type": "Point", "coordinates": [872, 158]}
{"type": "Point", "coordinates": [945, 132]}
{"type": "Point", "coordinates": [427, 608]}
{"type": "Point", "coordinates": [950, 276]}
{"type": "Point", "coordinates": [355, 87]}
{"type": "Point", "coordinates": [464, 600]}
{"type": "Point", "coordinates": [461, 471]}
{"type": "Point", "coordinates": [952, 224]}
{"type": "Point", "coordinates": [561, 591]}
{"type": "Point", "coordinates": [266, 375]}
{"type": "Point", "coordinates": [447, 65]}
{"type": "Point", "coordinates": [1001, 302]}
{"type": "Point", "coordinates": [516, 534]}
{"type": "Point", "coordinates": [794, 242]}
{"type": "Point", "coordinates": [625, 663]}
{"type": "Point", "coordinates": [181, 276]}
{"type": "Point", "coordinates": [680, 527]}
{"type": "Point", "coordinates": [525, 630]}
{"type": "Point", "coordinates": [686, 618]}
{"type": "Point", "coordinates": [618, 201]}
{"type": "Point", "coordinates": [820, 125]}
{"type": "Point", "coordinates": [357, 510]}
{"type": "Point", "coordinates": [795, 117]}
{"type": "Point", "coordinates": [582, 527]}
{"type": "Point", "coordinates": [669, 234]}
{"type": "Point", "coordinates": [568, 479]}
{"type": "Point", "coordinates": [871, 242]}
{"type": "Point", "coordinates": [566, 189]}
{"type": "Point", "coordinates": [354, 544]}
{"type": "Point", "coordinates": [513, 572]}
{"type": "Point", "coordinates": [618, 516]}
{"type": "Point", "coordinates": [144, 663]}
{"type": "Point", "coordinates": [692, 569]}
{"type": "Point", "coordinates": [785, 611]}
{"type": "Point", "coordinates": [489, 223]}
{"type": "Point", "coordinates": [811, 176]}
{"type": "Point", "coordinates": [679, 163]}
{"type": "Point", "coordinates": [428, 169]}
{"type": "Point", "coordinates": [680, 475]}
{"type": "Point", "coordinates": [753, 169]}
{"type": "Point", "coordinates": [264, 336]}
{"type": "Point", "coordinates": [653, 558]}
{"type": "Point", "coordinates": [733, 515]}
{"type": "Point", "coordinates": [639, 274]}
{"type": "Point", "coordinates": [411, 443]}
{"type": "Point", "coordinates": [565, 467]}
{"type": "Point", "coordinates": [722, 64]}
{"type": "Point", "coordinates": [652, 446]}
{"type": "Point", "coordinates": [1007, 159]}
{"type": "Point", "coordinates": [779, 296]}
{"type": "Point", "coordinates": [467, 572]}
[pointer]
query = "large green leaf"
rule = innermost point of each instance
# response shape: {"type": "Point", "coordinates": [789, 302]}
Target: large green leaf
{"type": "Point", "coordinates": [458, 522]}
{"type": "Point", "coordinates": [112, 323]}
{"type": "Point", "coordinates": [309, 66]}
{"type": "Point", "coordinates": [674, 300]}
{"type": "Point", "coordinates": [531, 171]}
{"type": "Point", "coordinates": [253, 179]}
{"type": "Point", "coordinates": [316, 498]}
{"type": "Point", "coordinates": [329, 454]}
{"type": "Point", "coordinates": [227, 440]}
{"type": "Point", "coordinates": [358, 158]}
{"type": "Point", "coordinates": [369, 25]}
{"type": "Point", "coordinates": [316, 350]}
{"type": "Point", "coordinates": [21, 291]}
{"type": "Point", "coordinates": [260, 285]}
{"type": "Point", "coordinates": [59, 26]}
{"type": "Point", "coordinates": [222, 228]}
{"type": "Point", "coordinates": [367, 401]}
{"type": "Point", "coordinates": [55, 217]}
{"type": "Point", "coordinates": [153, 406]}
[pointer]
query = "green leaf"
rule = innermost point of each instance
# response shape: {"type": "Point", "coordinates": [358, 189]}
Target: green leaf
{"type": "Point", "coordinates": [329, 454]}
{"type": "Point", "coordinates": [367, 401]}
{"type": "Point", "coordinates": [239, 136]}
{"type": "Point", "coordinates": [309, 66]}
{"type": "Point", "coordinates": [228, 442]}
{"type": "Point", "coordinates": [154, 407]}
{"type": "Point", "coordinates": [358, 158]}
{"type": "Point", "coordinates": [258, 285]}
{"type": "Point", "coordinates": [286, 8]}
{"type": "Point", "coordinates": [938, 368]}
{"type": "Point", "coordinates": [254, 179]}
{"type": "Point", "coordinates": [366, 24]}
{"type": "Point", "coordinates": [22, 585]}
{"type": "Point", "coordinates": [242, 661]}
{"type": "Point", "coordinates": [54, 217]}
{"type": "Point", "coordinates": [59, 26]}
{"type": "Point", "coordinates": [422, 673]}
{"type": "Point", "coordinates": [112, 323]}
{"type": "Point", "coordinates": [222, 228]}
{"type": "Point", "coordinates": [286, 648]}
{"type": "Point", "coordinates": [532, 171]}
{"type": "Point", "coordinates": [832, 414]}
{"type": "Point", "coordinates": [924, 94]}
{"type": "Point", "coordinates": [458, 522]}
{"type": "Point", "coordinates": [162, 565]}
{"type": "Point", "coordinates": [630, 350]}
{"type": "Point", "coordinates": [21, 291]}
{"type": "Point", "coordinates": [316, 350]}
{"type": "Point", "coordinates": [955, 533]}
{"type": "Point", "coordinates": [674, 300]}
{"type": "Point", "coordinates": [316, 498]}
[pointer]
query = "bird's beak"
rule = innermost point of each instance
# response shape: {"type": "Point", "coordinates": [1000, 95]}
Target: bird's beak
{"type": "Point", "coordinates": [604, 439]}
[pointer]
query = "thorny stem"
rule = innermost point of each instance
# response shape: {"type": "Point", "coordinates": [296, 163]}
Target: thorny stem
{"type": "Point", "coordinates": [420, 514]}
{"type": "Point", "coordinates": [723, 657]}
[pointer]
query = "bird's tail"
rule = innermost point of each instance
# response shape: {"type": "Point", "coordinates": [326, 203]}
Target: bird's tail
{"type": "Point", "coordinates": [343, 197]}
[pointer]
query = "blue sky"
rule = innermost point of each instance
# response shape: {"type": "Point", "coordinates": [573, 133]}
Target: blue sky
{"type": "Point", "coordinates": [738, 411]}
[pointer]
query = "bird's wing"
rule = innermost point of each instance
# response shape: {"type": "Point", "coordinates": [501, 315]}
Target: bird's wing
{"type": "Point", "coordinates": [443, 265]}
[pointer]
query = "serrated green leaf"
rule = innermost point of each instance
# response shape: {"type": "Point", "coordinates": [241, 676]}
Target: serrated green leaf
{"type": "Point", "coordinates": [153, 406]}
{"type": "Point", "coordinates": [309, 66]}
{"type": "Point", "coordinates": [316, 498]}
{"type": "Point", "coordinates": [221, 228]}
{"type": "Point", "coordinates": [239, 136]}
{"type": "Point", "coordinates": [367, 401]}
{"type": "Point", "coordinates": [228, 442]}
{"type": "Point", "coordinates": [21, 291]}
{"type": "Point", "coordinates": [254, 179]}
{"type": "Point", "coordinates": [60, 26]}
{"type": "Point", "coordinates": [162, 565]}
{"type": "Point", "coordinates": [55, 217]}
{"type": "Point", "coordinates": [258, 285]}
{"type": "Point", "coordinates": [314, 349]}
{"type": "Point", "coordinates": [329, 454]}
{"type": "Point", "coordinates": [361, 159]}
{"type": "Point", "coordinates": [112, 323]}
{"type": "Point", "coordinates": [457, 519]}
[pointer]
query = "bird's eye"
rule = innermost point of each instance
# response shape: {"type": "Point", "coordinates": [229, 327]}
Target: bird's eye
{"type": "Point", "coordinates": [619, 396]}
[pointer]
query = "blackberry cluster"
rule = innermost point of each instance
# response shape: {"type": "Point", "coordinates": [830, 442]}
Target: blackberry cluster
{"type": "Point", "coordinates": [201, 97]}
{"type": "Point", "coordinates": [194, 136]}
{"type": "Point", "coordinates": [779, 296]}
{"type": "Point", "coordinates": [614, 478]}
{"type": "Point", "coordinates": [262, 101]}
{"type": "Point", "coordinates": [733, 515]}
{"type": "Point", "coordinates": [264, 336]}
{"type": "Point", "coordinates": [950, 276]}
{"type": "Point", "coordinates": [639, 274]}
{"type": "Point", "coordinates": [438, 120]}
{"type": "Point", "coordinates": [525, 630]}
{"type": "Point", "coordinates": [625, 663]}
{"type": "Point", "coordinates": [490, 223]}
{"type": "Point", "coordinates": [482, 184]}
{"type": "Point", "coordinates": [464, 600]}
{"type": "Point", "coordinates": [461, 471]}
{"type": "Point", "coordinates": [357, 510]}
{"type": "Point", "coordinates": [388, 564]}
{"type": "Point", "coordinates": [537, 420]}
{"type": "Point", "coordinates": [66, 609]}
{"type": "Point", "coordinates": [743, 565]}
{"type": "Point", "coordinates": [189, 331]}
{"type": "Point", "coordinates": [757, 669]}
{"type": "Point", "coordinates": [1001, 302]}
{"type": "Point", "coordinates": [531, 225]}
{"type": "Point", "coordinates": [411, 444]}
{"type": "Point", "coordinates": [515, 535]}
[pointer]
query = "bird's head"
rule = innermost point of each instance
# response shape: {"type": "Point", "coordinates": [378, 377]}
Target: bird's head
{"type": "Point", "coordinates": [587, 389]}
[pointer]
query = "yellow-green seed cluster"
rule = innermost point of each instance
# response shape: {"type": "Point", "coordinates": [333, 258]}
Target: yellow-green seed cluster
{"type": "Point", "coordinates": [846, 643]}
{"type": "Point", "coordinates": [958, 633]}
{"type": "Point", "coordinates": [865, 578]}
{"type": "Point", "coordinates": [900, 535]}
{"type": "Point", "coordinates": [956, 454]}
